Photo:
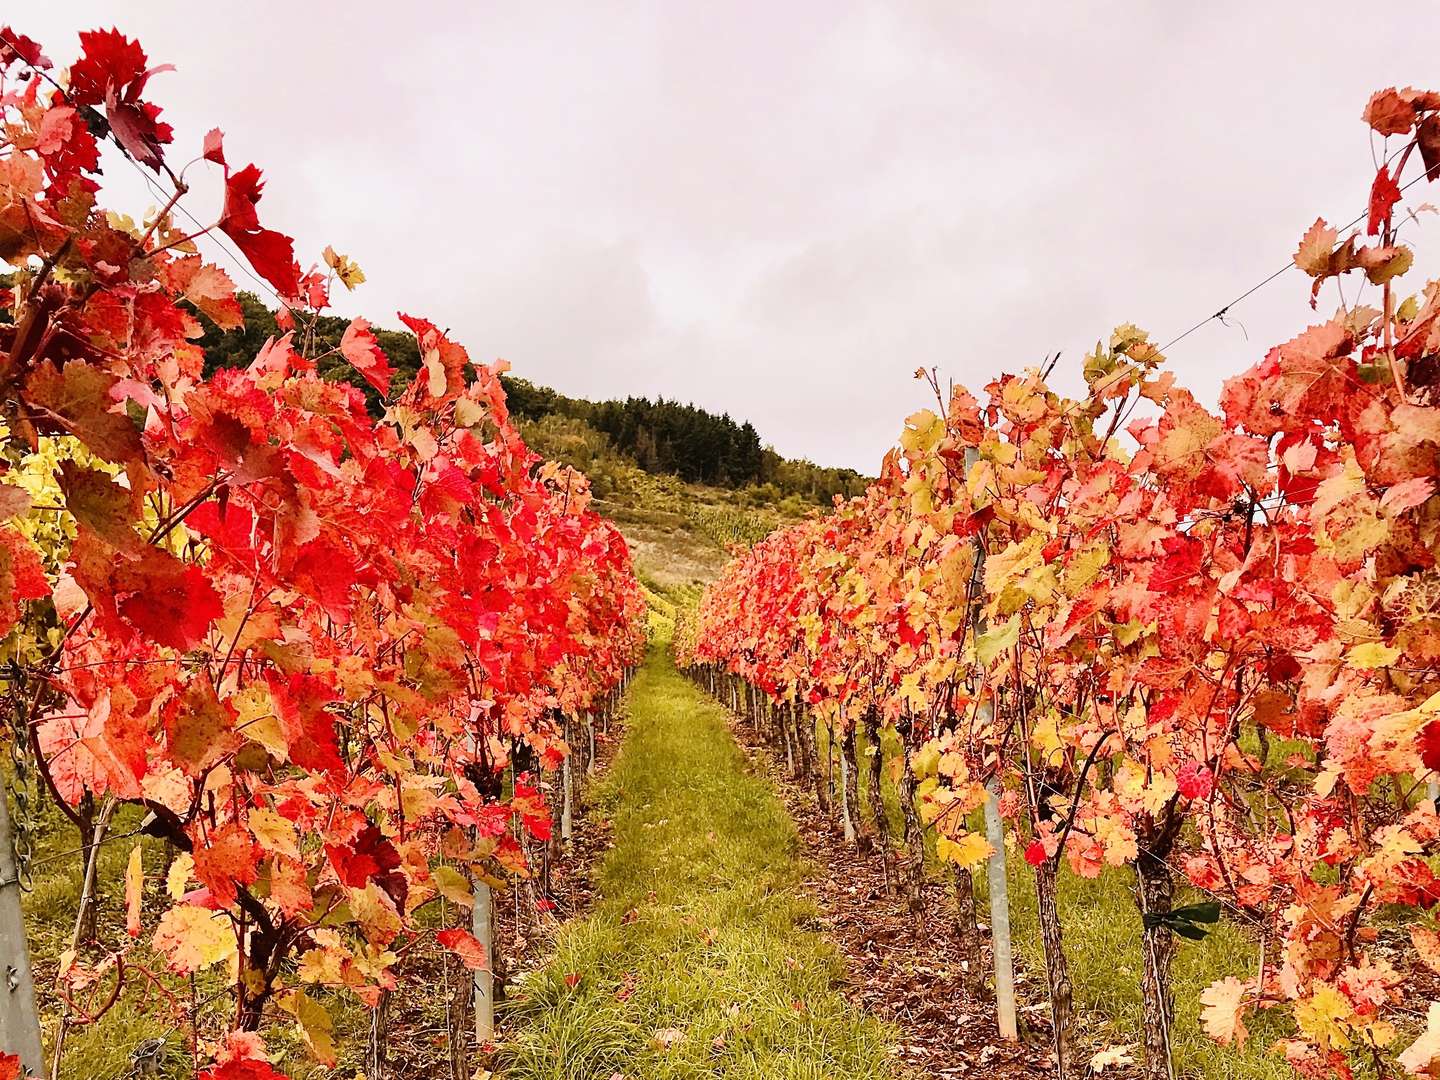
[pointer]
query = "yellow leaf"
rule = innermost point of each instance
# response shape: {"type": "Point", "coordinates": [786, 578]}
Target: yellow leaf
{"type": "Point", "coordinates": [1325, 1018]}
{"type": "Point", "coordinates": [1015, 561]}
{"type": "Point", "coordinates": [376, 914]}
{"type": "Point", "coordinates": [468, 412]}
{"type": "Point", "coordinates": [1372, 654]}
{"type": "Point", "coordinates": [923, 431]}
{"type": "Point", "coordinates": [1316, 247]}
{"type": "Point", "coordinates": [134, 890]}
{"type": "Point", "coordinates": [1223, 1014]}
{"type": "Point", "coordinates": [435, 381]}
{"type": "Point", "coordinates": [274, 833]}
{"type": "Point", "coordinates": [256, 720]}
{"type": "Point", "coordinates": [967, 851]}
{"type": "Point", "coordinates": [926, 760]}
{"type": "Point", "coordinates": [1084, 567]}
{"type": "Point", "coordinates": [345, 269]}
{"type": "Point", "coordinates": [192, 938]}
{"type": "Point", "coordinates": [1045, 737]}
{"type": "Point", "coordinates": [177, 879]}
{"type": "Point", "coordinates": [325, 966]}
{"type": "Point", "coordinates": [314, 1025]}
{"type": "Point", "coordinates": [453, 885]}
{"type": "Point", "coordinates": [997, 640]}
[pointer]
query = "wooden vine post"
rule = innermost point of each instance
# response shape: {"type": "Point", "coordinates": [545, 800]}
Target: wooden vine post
{"type": "Point", "coordinates": [482, 926]}
{"type": "Point", "coordinates": [1000, 944]}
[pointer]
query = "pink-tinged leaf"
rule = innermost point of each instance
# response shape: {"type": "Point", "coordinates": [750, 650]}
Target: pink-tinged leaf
{"type": "Point", "coordinates": [464, 945]}
{"type": "Point", "coordinates": [1195, 780]}
{"type": "Point", "coordinates": [214, 148]}
{"type": "Point", "coordinates": [362, 349]}
{"type": "Point", "coordinates": [1407, 494]}
{"type": "Point", "coordinates": [13, 501]}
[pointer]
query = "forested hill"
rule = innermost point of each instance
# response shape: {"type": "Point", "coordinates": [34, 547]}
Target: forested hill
{"type": "Point", "coordinates": [659, 436]}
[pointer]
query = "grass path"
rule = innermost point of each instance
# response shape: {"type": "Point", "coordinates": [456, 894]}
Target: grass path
{"type": "Point", "coordinates": [697, 960]}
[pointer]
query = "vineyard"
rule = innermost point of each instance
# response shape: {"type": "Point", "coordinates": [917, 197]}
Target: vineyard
{"type": "Point", "coordinates": [1196, 647]}
{"type": "Point", "coordinates": [331, 678]}
{"type": "Point", "coordinates": [1100, 735]}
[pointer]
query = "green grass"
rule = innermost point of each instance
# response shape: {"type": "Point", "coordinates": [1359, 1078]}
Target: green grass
{"type": "Point", "coordinates": [700, 938]}
{"type": "Point", "coordinates": [1102, 943]}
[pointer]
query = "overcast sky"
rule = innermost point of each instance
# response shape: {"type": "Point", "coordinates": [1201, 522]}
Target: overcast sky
{"type": "Point", "coordinates": [781, 210]}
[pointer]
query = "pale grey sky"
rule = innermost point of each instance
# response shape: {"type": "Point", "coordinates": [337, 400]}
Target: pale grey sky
{"type": "Point", "coordinates": [782, 209]}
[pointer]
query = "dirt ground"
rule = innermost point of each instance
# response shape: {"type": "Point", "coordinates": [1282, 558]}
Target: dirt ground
{"type": "Point", "coordinates": [905, 972]}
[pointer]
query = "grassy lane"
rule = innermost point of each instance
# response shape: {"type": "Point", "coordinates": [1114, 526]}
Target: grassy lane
{"type": "Point", "coordinates": [696, 961]}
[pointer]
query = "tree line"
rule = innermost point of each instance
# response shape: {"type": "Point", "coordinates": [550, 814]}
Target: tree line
{"type": "Point", "coordinates": [661, 436]}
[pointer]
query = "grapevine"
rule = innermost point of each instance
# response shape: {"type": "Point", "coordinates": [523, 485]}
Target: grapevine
{"type": "Point", "coordinates": [305, 639]}
{"type": "Point", "coordinates": [1189, 642]}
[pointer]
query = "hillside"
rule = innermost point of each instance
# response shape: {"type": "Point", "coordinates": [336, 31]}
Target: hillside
{"type": "Point", "coordinates": [682, 483]}
{"type": "Point", "coordinates": [679, 531]}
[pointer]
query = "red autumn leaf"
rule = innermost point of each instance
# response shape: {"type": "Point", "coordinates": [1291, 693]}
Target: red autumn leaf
{"type": "Point", "coordinates": [77, 400]}
{"type": "Point", "coordinates": [1384, 194]}
{"type": "Point", "coordinates": [22, 577]}
{"type": "Point", "coordinates": [464, 945]}
{"type": "Point", "coordinates": [442, 361]}
{"type": "Point", "coordinates": [14, 47]}
{"type": "Point", "coordinates": [308, 728]}
{"type": "Point", "coordinates": [225, 859]}
{"type": "Point", "coordinates": [169, 601]}
{"type": "Point", "coordinates": [1035, 853]}
{"type": "Point", "coordinates": [243, 1070]}
{"type": "Point", "coordinates": [137, 127]}
{"type": "Point", "coordinates": [243, 1057]}
{"type": "Point", "coordinates": [1195, 780]}
{"type": "Point", "coordinates": [10, 1067]}
{"type": "Point", "coordinates": [370, 857]}
{"type": "Point", "coordinates": [229, 529]}
{"type": "Point", "coordinates": [326, 572]}
{"type": "Point", "coordinates": [1389, 113]}
{"type": "Point", "coordinates": [272, 254]}
{"type": "Point", "coordinates": [1427, 138]}
{"type": "Point", "coordinates": [362, 349]}
{"type": "Point", "coordinates": [112, 72]}
{"type": "Point", "coordinates": [1430, 746]}
{"type": "Point", "coordinates": [109, 59]}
